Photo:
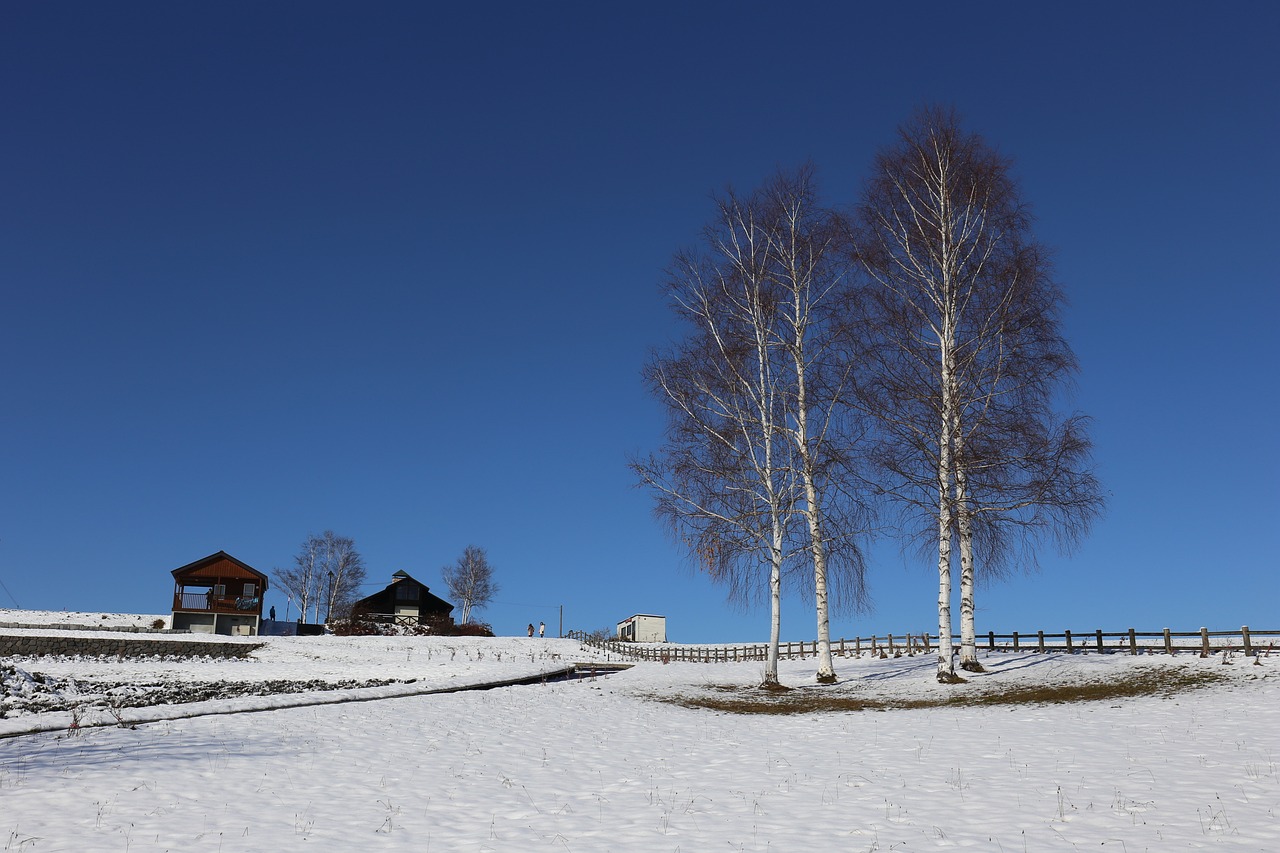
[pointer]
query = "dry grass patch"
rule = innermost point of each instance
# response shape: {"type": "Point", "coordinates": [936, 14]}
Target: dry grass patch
{"type": "Point", "coordinates": [736, 699]}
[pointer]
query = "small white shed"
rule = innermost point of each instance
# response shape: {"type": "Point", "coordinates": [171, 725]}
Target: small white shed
{"type": "Point", "coordinates": [643, 628]}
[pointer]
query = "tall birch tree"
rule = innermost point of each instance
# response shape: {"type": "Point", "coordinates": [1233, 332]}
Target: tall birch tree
{"type": "Point", "coordinates": [724, 479]}
{"type": "Point", "coordinates": [752, 462]}
{"type": "Point", "coordinates": [808, 276]}
{"type": "Point", "coordinates": [968, 360]}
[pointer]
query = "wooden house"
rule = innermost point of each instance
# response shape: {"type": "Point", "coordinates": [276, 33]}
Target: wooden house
{"type": "Point", "coordinates": [643, 628]}
{"type": "Point", "coordinates": [406, 601]}
{"type": "Point", "coordinates": [218, 595]}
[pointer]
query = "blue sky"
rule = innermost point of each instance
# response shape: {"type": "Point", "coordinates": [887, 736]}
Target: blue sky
{"type": "Point", "coordinates": [393, 269]}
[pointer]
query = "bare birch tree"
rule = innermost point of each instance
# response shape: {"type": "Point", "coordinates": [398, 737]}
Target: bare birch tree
{"type": "Point", "coordinates": [808, 278]}
{"type": "Point", "coordinates": [969, 358]}
{"type": "Point", "coordinates": [750, 468]}
{"type": "Point", "coordinates": [341, 572]}
{"type": "Point", "coordinates": [302, 581]}
{"type": "Point", "coordinates": [470, 581]}
{"type": "Point", "coordinates": [724, 481]}
{"type": "Point", "coordinates": [327, 571]}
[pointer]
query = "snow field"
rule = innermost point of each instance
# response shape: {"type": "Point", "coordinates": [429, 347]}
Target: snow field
{"type": "Point", "coordinates": [603, 766]}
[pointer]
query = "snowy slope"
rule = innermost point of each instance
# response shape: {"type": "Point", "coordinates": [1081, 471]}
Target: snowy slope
{"type": "Point", "coordinates": [610, 765]}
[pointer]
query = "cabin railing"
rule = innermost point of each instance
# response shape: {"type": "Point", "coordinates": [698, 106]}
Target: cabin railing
{"type": "Point", "coordinates": [211, 603]}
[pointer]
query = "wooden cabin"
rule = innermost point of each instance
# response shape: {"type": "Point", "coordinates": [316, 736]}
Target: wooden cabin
{"type": "Point", "coordinates": [405, 601]}
{"type": "Point", "coordinates": [218, 594]}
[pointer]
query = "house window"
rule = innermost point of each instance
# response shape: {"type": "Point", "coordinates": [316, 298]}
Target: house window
{"type": "Point", "coordinates": [406, 592]}
{"type": "Point", "coordinates": [250, 589]}
{"type": "Point", "coordinates": [219, 589]}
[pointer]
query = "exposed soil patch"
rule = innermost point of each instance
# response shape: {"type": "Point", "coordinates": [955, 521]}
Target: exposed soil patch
{"type": "Point", "coordinates": [735, 699]}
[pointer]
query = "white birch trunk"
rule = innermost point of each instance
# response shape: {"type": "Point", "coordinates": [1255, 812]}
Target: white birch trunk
{"type": "Point", "coordinates": [775, 610]}
{"type": "Point", "coordinates": [307, 595]}
{"type": "Point", "coordinates": [817, 535]}
{"type": "Point", "coordinates": [946, 667]}
{"type": "Point", "coordinates": [826, 671]}
{"type": "Point", "coordinates": [813, 500]}
{"type": "Point", "coordinates": [964, 524]}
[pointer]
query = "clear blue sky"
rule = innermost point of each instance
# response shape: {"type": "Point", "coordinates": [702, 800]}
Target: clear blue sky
{"type": "Point", "coordinates": [392, 269]}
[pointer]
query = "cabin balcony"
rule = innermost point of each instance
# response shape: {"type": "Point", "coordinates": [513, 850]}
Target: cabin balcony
{"type": "Point", "coordinates": [207, 602]}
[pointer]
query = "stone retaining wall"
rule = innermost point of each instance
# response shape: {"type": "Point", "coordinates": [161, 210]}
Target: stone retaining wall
{"type": "Point", "coordinates": [28, 646]}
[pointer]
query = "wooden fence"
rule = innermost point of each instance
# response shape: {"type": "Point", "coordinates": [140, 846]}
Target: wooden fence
{"type": "Point", "coordinates": [1203, 642]}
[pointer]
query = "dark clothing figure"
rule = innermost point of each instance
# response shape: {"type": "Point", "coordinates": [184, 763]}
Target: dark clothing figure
{"type": "Point", "coordinates": [273, 614]}
{"type": "Point", "coordinates": [530, 629]}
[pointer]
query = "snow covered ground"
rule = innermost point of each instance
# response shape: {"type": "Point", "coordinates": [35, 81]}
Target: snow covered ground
{"type": "Point", "coordinates": [74, 617]}
{"type": "Point", "coordinates": [613, 764]}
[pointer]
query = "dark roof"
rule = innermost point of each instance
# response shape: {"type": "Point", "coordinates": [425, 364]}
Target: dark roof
{"type": "Point", "coordinates": [398, 578]}
{"type": "Point", "coordinates": [213, 558]}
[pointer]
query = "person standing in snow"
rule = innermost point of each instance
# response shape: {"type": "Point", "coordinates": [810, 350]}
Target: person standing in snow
{"type": "Point", "coordinates": [530, 629]}
{"type": "Point", "coordinates": [542, 629]}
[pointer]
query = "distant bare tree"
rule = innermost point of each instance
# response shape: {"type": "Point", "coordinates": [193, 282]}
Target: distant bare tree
{"type": "Point", "coordinates": [342, 572]}
{"type": "Point", "coordinates": [963, 376]}
{"type": "Point", "coordinates": [302, 581]}
{"type": "Point", "coordinates": [328, 571]}
{"type": "Point", "coordinates": [470, 581]}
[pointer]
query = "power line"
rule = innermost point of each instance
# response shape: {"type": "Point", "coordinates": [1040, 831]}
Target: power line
{"type": "Point", "coordinates": [11, 598]}
{"type": "Point", "coordinates": [518, 604]}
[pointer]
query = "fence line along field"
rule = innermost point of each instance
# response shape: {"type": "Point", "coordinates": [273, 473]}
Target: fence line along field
{"type": "Point", "coordinates": [1204, 642]}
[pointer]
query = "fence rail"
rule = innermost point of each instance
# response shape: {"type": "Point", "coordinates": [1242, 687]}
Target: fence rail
{"type": "Point", "coordinates": [1203, 642]}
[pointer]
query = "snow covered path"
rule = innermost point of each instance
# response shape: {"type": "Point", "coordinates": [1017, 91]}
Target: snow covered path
{"type": "Point", "coordinates": [596, 766]}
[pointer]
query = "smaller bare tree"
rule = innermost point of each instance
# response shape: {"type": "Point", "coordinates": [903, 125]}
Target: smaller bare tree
{"type": "Point", "coordinates": [302, 581]}
{"type": "Point", "coordinates": [470, 581]}
{"type": "Point", "coordinates": [343, 572]}
{"type": "Point", "coordinates": [327, 570]}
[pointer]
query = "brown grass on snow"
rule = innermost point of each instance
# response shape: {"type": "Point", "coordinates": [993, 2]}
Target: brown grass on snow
{"type": "Point", "coordinates": [735, 699]}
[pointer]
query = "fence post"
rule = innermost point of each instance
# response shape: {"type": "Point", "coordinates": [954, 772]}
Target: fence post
{"type": "Point", "coordinates": [857, 646]}
{"type": "Point", "coordinates": [925, 637]}
{"type": "Point", "coordinates": [1204, 642]}
{"type": "Point", "coordinates": [842, 647]}
{"type": "Point", "coordinates": [1015, 641]}
{"type": "Point", "coordinates": [1248, 646]}
{"type": "Point", "coordinates": [891, 644]}
{"type": "Point", "coordinates": [1168, 643]}
{"type": "Point", "coordinates": [1133, 642]}
{"type": "Point", "coordinates": [1040, 635]}
{"type": "Point", "coordinates": [1099, 641]}
{"type": "Point", "coordinates": [1070, 650]}
{"type": "Point", "coordinates": [991, 640]}
{"type": "Point", "coordinates": [873, 645]}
